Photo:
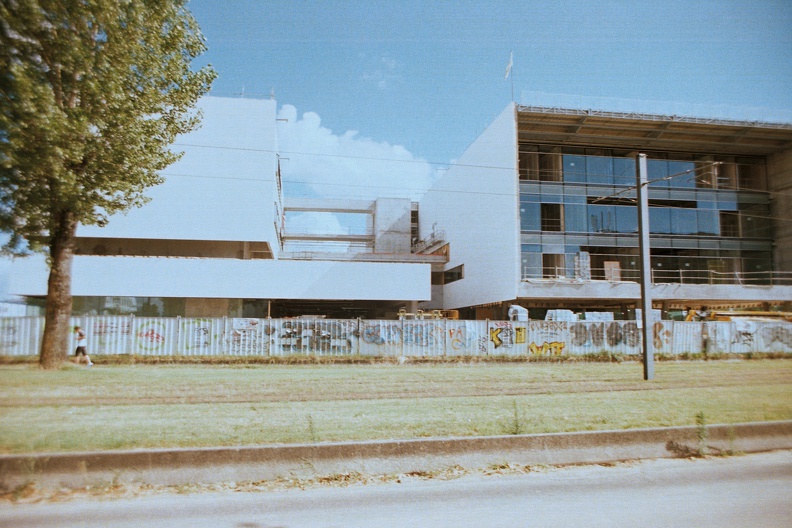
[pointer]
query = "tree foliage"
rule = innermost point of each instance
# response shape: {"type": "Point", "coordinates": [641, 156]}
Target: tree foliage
{"type": "Point", "coordinates": [92, 93]}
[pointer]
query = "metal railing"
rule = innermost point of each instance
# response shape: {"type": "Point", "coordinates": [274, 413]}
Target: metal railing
{"type": "Point", "coordinates": [753, 278]}
{"type": "Point", "coordinates": [564, 274]}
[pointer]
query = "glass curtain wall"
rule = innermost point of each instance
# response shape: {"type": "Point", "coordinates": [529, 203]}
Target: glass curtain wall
{"type": "Point", "coordinates": [709, 218]}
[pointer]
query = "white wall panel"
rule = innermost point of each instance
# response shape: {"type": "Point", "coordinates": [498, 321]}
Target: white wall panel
{"type": "Point", "coordinates": [223, 188]}
{"type": "Point", "coordinates": [476, 205]}
{"type": "Point", "coordinates": [230, 278]}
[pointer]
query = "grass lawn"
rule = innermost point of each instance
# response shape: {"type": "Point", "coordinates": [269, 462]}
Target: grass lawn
{"type": "Point", "coordinates": [136, 406]}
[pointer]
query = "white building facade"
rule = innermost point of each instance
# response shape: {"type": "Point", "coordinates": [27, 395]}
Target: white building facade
{"type": "Point", "coordinates": [210, 242]}
{"type": "Point", "coordinates": [540, 212]}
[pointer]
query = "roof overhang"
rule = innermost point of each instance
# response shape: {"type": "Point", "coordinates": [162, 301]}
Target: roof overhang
{"type": "Point", "coordinates": [649, 132]}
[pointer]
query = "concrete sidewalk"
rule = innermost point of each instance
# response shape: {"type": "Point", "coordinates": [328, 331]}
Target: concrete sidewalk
{"type": "Point", "coordinates": [255, 463]}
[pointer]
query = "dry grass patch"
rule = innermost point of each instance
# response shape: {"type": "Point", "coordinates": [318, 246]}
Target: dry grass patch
{"type": "Point", "coordinates": [137, 406]}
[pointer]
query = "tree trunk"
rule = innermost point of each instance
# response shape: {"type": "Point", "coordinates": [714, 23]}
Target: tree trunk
{"type": "Point", "coordinates": [57, 317]}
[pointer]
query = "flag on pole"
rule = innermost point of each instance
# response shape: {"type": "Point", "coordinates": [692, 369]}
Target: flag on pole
{"type": "Point", "coordinates": [509, 66]}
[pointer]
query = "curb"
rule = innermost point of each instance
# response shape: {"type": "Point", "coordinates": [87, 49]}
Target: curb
{"type": "Point", "coordinates": [256, 463]}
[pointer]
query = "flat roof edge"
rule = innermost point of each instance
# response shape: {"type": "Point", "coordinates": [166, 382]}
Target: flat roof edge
{"type": "Point", "coordinates": [557, 110]}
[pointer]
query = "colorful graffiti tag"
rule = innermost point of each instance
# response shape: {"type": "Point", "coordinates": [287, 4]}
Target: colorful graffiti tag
{"type": "Point", "coordinates": [556, 348]}
{"type": "Point", "coordinates": [150, 336]}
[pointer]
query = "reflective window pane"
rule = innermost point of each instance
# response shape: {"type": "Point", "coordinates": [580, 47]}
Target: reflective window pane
{"type": "Point", "coordinates": [659, 220]}
{"type": "Point", "coordinates": [685, 170]}
{"type": "Point", "coordinates": [599, 170]}
{"type": "Point", "coordinates": [624, 171]}
{"type": "Point", "coordinates": [708, 223]}
{"type": "Point", "coordinates": [575, 218]}
{"type": "Point", "coordinates": [574, 168]}
{"type": "Point", "coordinates": [602, 219]}
{"type": "Point", "coordinates": [657, 170]}
{"type": "Point", "coordinates": [626, 219]}
{"type": "Point", "coordinates": [530, 213]}
{"type": "Point", "coordinates": [684, 221]}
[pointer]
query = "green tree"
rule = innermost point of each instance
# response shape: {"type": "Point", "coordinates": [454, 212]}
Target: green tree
{"type": "Point", "coordinates": [92, 94]}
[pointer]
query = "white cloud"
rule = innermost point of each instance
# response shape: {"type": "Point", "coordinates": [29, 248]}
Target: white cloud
{"type": "Point", "coordinates": [383, 74]}
{"type": "Point", "coordinates": [320, 163]}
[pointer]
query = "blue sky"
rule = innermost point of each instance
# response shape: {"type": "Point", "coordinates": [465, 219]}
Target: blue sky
{"type": "Point", "coordinates": [417, 81]}
{"type": "Point", "coordinates": [429, 75]}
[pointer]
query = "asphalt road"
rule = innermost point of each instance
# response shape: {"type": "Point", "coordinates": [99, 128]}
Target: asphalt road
{"type": "Point", "coordinates": [747, 491]}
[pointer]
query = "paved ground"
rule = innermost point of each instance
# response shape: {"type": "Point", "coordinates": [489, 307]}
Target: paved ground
{"type": "Point", "coordinates": [748, 491]}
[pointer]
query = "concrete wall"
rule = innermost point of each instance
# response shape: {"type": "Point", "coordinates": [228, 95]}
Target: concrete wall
{"type": "Point", "coordinates": [230, 278]}
{"type": "Point", "coordinates": [780, 180]}
{"type": "Point", "coordinates": [476, 205]}
{"type": "Point", "coordinates": [224, 186]}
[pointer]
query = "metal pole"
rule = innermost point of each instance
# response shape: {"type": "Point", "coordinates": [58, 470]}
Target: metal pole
{"type": "Point", "coordinates": [646, 265]}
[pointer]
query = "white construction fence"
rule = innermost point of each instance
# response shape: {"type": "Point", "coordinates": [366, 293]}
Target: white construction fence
{"type": "Point", "coordinates": [182, 336]}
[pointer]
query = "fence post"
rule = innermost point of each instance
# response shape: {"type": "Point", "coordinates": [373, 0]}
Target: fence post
{"type": "Point", "coordinates": [178, 334]}
{"type": "Point", "coordinates": [402, 338]}
{"type": "Point", "coordinates": [487, 323]}
{"type": "Point", "coordinates": [445, 337]}
{"type": "Point", "coordinates": [359, 333]}
{"type": "Point", "coordinates": [225, 347]}
{"type": "Point", "coordinates": [131, 335]}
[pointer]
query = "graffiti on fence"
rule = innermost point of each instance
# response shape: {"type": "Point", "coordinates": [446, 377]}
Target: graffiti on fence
{"type": "Point", "coordinates": [112, 327]}
{"type": "Point", "coordinates": [719, 336]}
{"type": "Point", "coordinates": [106, 331]}
{"type": "Point", "coordinates": [777, 334]}
{"type": "Point", "coordinates": [579, 333]}
{"type": "Point", "coordinates": [612, 334]}
{"type": "Point", "coordinates": [197, 335]}
{"type": "Point", "coordinates": [551, 327]}
{"type": "Point", "coordinates": [422, 334]}
{"type": "Point", "coordinates": [8, 335]}
{"type": "Point", "coordinates": [743, 334]}
{"type": "Point", "coordinates": [165, 336]}
{"type": "Point", "coordinates": [317, 336]}
{"type": "Point", "coordinates": [246, 342]}
{"type": "Point", "coordinates": [462, 338]}
{"type": "Point", "coordinates": [549, 338]}
{"type": "Point", "coordinates": [622, 332]}
{"type": "Point", "coordinates": [542, 332]}
{"type": "Point", "coordinates": [661, 336]}
{"type": "Point", "coordinates": [415, 334]}
{"type": "Point", "coordinates": [245, 323]}
{"type": "Point", "coordinates": [502, 334]}
{"type": "Point", "coordinates": [556, 348]}
{"type": "Point", "coordinates": [382, 334]}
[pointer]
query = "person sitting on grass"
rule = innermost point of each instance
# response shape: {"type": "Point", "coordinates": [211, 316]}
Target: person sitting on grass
{"type": "Point", "coordinates": [80, 355]}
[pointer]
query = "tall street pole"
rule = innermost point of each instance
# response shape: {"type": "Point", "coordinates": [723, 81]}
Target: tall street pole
{"type": "Point", "coordinates": [646, 265]}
